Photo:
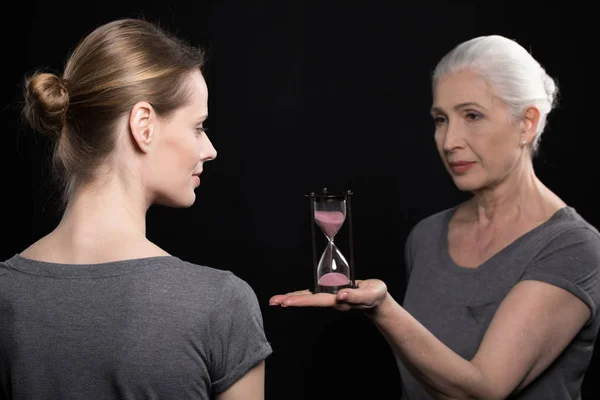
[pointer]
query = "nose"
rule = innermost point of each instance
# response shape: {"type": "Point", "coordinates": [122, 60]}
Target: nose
{"type": "Point", "coordinates": [453, 137]}
{"type": "Point", "coordinates": [209, 152]}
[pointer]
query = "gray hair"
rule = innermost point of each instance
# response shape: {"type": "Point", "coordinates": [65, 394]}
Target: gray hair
{"type": "Point", "coordinates": [519, 80]}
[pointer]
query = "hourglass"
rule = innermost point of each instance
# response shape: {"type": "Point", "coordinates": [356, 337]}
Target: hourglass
{"type": "Point", "coordinates": [329, 211]}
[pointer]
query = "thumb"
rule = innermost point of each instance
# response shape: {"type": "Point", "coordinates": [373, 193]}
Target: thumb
{"type": "Point", "coordinates": [351, 296]}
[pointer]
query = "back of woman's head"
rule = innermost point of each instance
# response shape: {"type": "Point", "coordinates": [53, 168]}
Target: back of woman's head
{"type": "Point", "coordinates": [114, 67]}
{"type": "Point", "coordinates": [518, 79]}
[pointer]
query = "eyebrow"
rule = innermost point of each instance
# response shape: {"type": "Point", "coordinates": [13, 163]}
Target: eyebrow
{"type": "Point", "coordinates": [458, 107]}
{"type": "Point", "coordinates": [202, 118]}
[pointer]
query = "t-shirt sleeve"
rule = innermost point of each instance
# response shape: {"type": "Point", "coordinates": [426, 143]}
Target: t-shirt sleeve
{"type": "Point", "coordinates": [237, 338]}
{"type": "Point", "coordinates": [413, 242]}
{"type": "Point", "coordinates": [408, 254]}
{"type": "Point", "coordinates": [571, 261]}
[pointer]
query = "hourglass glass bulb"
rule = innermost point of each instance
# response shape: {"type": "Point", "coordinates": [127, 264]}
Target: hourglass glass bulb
{"type": "Point", "coordinates": [329, 222]}
{"type": "Point", "coordinates": [333, 270]}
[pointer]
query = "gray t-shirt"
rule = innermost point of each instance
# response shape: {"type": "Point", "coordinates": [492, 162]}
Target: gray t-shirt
{"type": "Point", "coordinates": [153, 328]}
{"type": "Point", "coordinates": [457, 304]}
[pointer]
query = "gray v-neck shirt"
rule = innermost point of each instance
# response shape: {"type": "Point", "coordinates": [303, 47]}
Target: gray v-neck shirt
{"type": "Point", "coordinates": [457, 304]}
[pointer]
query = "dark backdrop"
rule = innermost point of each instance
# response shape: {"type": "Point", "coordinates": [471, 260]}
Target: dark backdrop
{"type": "Point", "coordinates": [305, 95]}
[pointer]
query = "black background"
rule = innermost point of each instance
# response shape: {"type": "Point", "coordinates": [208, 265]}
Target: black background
{"type": "Point", "coordinates": [305, 95]}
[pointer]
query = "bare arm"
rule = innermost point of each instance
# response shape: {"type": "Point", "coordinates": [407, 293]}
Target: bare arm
{"type": "Point", "coordinates": [251, 386]}
{"type": "Point", "coordinates": [532, 326]}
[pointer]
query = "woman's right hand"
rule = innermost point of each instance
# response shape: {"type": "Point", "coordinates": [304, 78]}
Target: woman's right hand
{"type": "Point", "coordinates": [367, 295]}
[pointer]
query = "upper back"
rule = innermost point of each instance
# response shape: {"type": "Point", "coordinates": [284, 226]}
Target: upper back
{"type": "Point", "coordinates": [155, 327]}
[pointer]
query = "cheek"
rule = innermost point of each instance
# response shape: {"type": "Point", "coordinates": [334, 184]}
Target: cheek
{"type": "Point", "coordinates": [189, 147]}
{"type": "Point", "coordinates": [178, 154]}
{"type": "Point", "coordinates": [499, 151]}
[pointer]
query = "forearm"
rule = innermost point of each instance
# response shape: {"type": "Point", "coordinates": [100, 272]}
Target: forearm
{"type": "Point", "coordinates": [445, 374]}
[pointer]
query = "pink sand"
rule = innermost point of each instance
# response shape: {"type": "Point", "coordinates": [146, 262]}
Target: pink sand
{"type": "Point", "coordinates": [334, 279]}
{"type": "Point", "coordinates": [329, 221]}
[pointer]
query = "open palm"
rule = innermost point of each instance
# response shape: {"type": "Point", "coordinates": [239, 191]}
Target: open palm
{"type": "Point", "coordinates": [368, 294]}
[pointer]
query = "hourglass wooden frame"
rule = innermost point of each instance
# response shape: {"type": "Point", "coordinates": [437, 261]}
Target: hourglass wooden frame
{"type": "Point", "coordinates": [325, 195]}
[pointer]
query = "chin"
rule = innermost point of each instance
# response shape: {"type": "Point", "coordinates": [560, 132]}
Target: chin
{"type": "Point", "coordinates": [185, 203]}
{"type": "Point", "coordinates": [464, 184]}
{"type": "Point", "coordinates": [177, 201]}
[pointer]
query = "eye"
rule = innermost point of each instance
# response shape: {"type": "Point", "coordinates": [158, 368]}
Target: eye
{"type": "Point", "coordinates": [473, 116]}
{"type": "Point", "coordinates": [200, 130]}
{"type": "Point", "coordinates": [439, 119]}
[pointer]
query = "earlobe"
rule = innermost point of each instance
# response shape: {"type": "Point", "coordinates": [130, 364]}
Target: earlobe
{"type": "Point", "coordinates": [142, 125]}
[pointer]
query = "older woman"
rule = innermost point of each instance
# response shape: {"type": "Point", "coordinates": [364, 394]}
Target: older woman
{"type": "Point", "coordinates": [503, 290]}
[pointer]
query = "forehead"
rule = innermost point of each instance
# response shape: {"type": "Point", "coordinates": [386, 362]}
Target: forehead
{"type": "Point", "coordinates": [199, 90]}
{"type": "Point", "coordinates": [464, 86]}
{"type": "Point", "coordinates": [196, 105]}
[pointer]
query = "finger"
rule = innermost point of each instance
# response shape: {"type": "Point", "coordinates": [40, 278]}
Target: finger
{"type": "Point", "coordinates": [297, 292]}
{"type": "Point", "coordinates": [310, 300]}
{"type": "Point", "coordinates": [276, 300]}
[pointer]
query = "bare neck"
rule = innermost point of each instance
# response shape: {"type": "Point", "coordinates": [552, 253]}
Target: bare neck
{"type": "Point", "coordinates": [521, 196]}
{"type": "Point", "coordinates": [103, 222]}
{"type": "Point", "coordinates": [104, 209]}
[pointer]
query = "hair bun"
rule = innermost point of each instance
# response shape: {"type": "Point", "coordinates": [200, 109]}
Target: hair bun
{"type": "Point", "coordinates": [46, 102]}
{"type": "Point", "coordinates": [551, 89]}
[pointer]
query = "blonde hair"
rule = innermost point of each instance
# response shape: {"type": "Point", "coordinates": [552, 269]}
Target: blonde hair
{"type": "Point", "coordinates": [117, 65]}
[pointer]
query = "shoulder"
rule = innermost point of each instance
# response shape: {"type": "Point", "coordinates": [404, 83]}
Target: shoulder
{"type": "Point", "coordinates": [566, 250]}
{"type": "Point", "coordinates": [4, 265]}
{"type": "Point", "coordinates": [566, 253]}
{"type": "Point", "coordinates": [184, 267]}
{"type": "Point", "coordinates": [208, 276]}
{"type": "Point", "coordinates": [568, 231]}
{"type": "Point", "coordinates": [229, 284]}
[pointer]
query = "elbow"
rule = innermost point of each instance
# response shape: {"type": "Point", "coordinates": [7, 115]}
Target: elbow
{"type": "Point", "coordinates": [467, 396]}
{"type": "Point", "coordinates": [470, 383]}
{"type": "Point", "coordinates": [486, 393]}
{"type": "Point", "coordinates": [455, 393]}
{"type": "Point", "coordinates": [480, 394]}
{"type": "Point", "coordinates": [480, 386]}
{"type": "Point", "coordinates": [481, 391]}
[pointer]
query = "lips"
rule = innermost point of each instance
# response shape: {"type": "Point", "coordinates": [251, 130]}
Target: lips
{"type": "Point", "coordinates": [459, 163]}
{"type": "Point", "coordinates": [197, 177]}
{"type": "Point", "coordinates": [461, 166]}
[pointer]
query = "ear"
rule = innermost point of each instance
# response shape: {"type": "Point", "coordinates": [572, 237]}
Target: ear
{"type": "Point", "coordinates": [529, 124]}
{"type": "Point", "coordinates": [142, 125]}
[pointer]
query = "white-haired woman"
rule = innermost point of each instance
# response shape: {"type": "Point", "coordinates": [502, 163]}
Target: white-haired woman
{"type": "Point", "coordinates": [503, 289]}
